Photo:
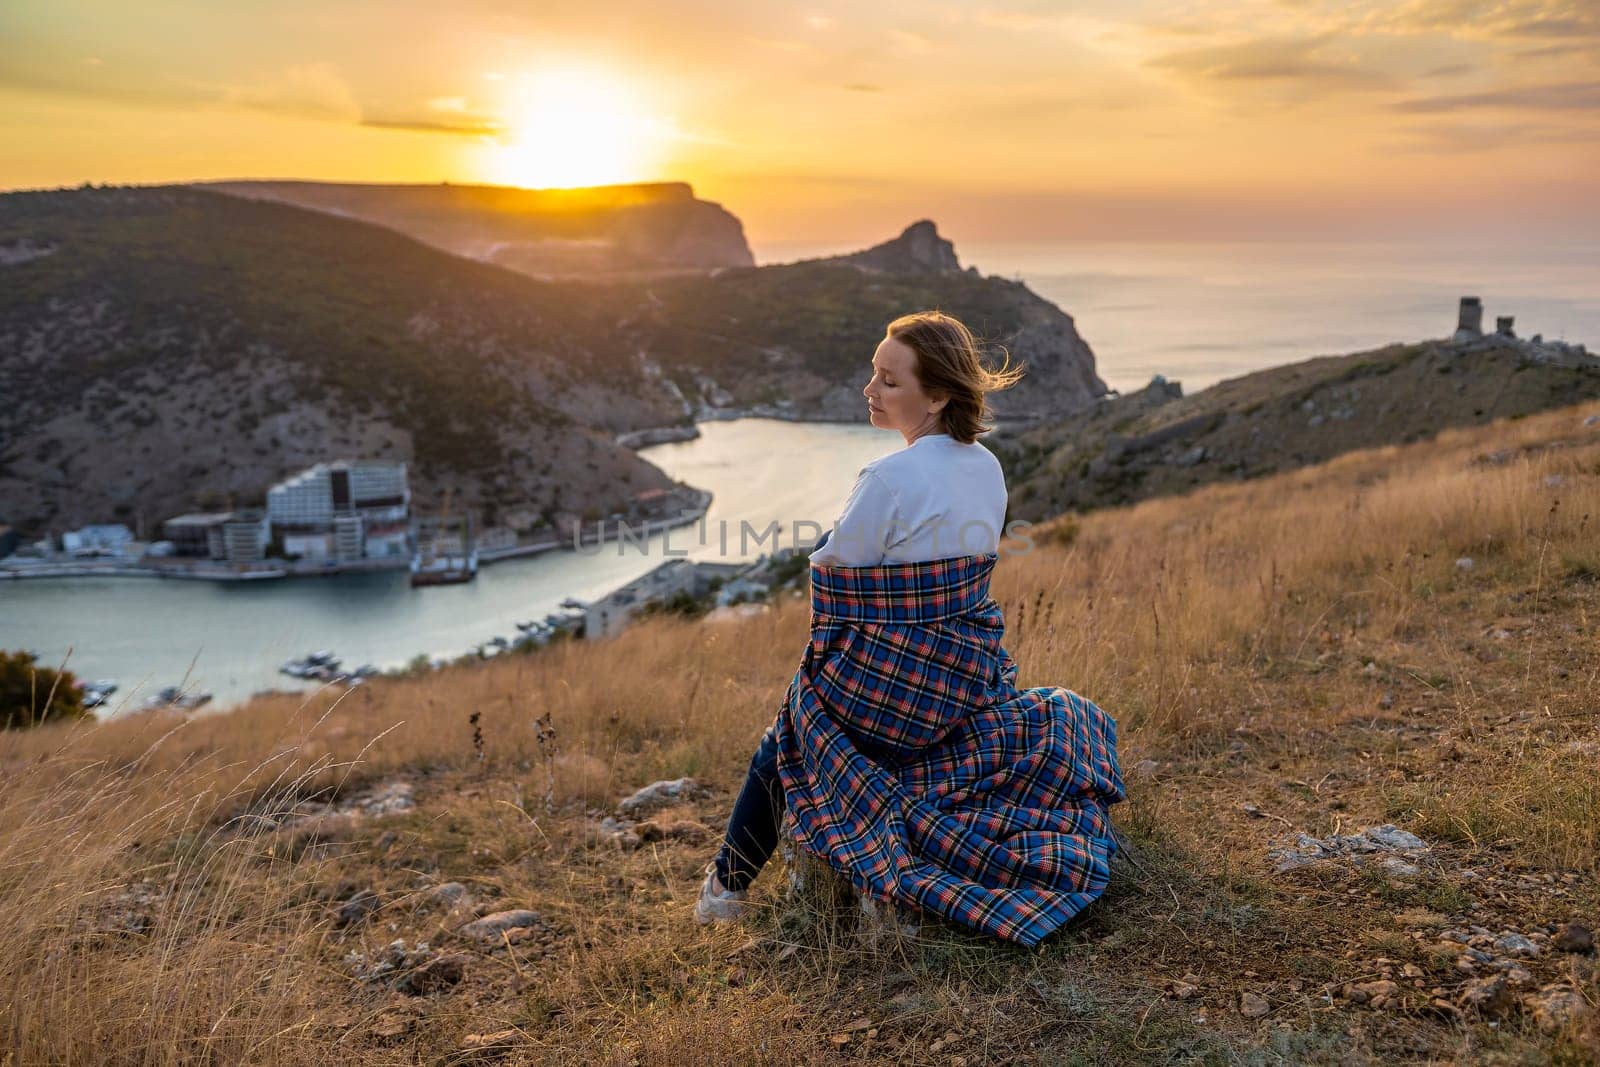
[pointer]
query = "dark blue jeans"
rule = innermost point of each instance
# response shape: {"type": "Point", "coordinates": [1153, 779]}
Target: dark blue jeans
{"type": "Point", "coordinates": [753, 827]}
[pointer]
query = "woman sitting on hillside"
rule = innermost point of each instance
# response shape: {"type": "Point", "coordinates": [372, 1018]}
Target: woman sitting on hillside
{"type": "Point", "coordinates": [906, 755]}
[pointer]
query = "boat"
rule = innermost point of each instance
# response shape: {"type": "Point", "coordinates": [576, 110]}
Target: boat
{"type": "Point", "coordinates": [573, 603]}
{"type": "Point", "coordinates": [429, 566]}
{"type": "Point", "coordinates": [173, 697]}
{"type": "Point", "coordinates": [98, 692]}
{"type": "Point", "coordinates": [444, 570]}
{"type": "Point", "coordinates": [320, 664]}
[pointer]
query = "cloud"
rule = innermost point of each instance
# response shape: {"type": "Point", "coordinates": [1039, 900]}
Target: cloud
{"type": "Point", "coordinates": [1439, 138]}
{"type": "Point", "coordinates": [1304, 61]}
{"type": "Point", "coordinates": [471, 128]}
{"type": "Point", "coordinates": [1491, 18]}
{"type": "Point", "coordinates": [313, 90]}
{"type": "Point", "coordinates": [1549, 50]}
{"type": "Point", "coordinates": [1563, 96]}
{"type": "Point", "coordinates": [1450, 70]}
{"type": "Point", "coordinates": [864, 87]}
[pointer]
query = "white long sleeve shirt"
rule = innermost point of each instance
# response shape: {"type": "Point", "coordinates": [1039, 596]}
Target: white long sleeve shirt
{"type": "Point", "coordinates": [933, 499]}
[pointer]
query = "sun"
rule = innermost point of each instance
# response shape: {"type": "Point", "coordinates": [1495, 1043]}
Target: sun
{"type": "Point", "coordinates": [572, 127]}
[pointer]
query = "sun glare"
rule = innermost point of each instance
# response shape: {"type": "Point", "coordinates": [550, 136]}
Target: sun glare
{"type": "Point", "coordinates": [572, 128]}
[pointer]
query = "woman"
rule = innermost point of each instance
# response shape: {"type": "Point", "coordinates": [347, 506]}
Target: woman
{"type": "Point", "coordinates": [907, 757]}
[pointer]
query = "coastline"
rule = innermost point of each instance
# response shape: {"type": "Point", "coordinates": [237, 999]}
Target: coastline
{"type": "Point", "coordinates": [200, 571]}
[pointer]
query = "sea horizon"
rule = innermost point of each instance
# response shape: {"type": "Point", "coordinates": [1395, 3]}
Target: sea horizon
{"type": "Point", "coordinates": [1201, 312]}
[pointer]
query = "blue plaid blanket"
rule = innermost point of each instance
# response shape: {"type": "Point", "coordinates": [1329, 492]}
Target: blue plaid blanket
{"type": "Point", "coordinates": [912, 763]}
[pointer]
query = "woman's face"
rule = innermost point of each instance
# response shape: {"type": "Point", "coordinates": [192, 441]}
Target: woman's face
{"type": "Point", "coordinates": [895, 398]}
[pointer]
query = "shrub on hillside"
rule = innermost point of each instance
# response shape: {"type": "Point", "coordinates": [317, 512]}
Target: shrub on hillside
{"type": "Point", "coordinates": [30, 695]}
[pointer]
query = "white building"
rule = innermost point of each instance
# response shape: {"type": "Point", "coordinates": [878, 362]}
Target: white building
{"type": "Point", "coordinates": [378, 492]}
{"type": "Point", "coordinates": [242, 537]}
{"type": "Point", "coordinates": [96, 540]}
{"type": "Point", "coordinates": [345, 510]}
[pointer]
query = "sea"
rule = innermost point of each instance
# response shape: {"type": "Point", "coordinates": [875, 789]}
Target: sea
{"type": "Point", "coordinates": [1194, 313]}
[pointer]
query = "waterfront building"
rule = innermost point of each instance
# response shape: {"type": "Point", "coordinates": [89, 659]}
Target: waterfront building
{"type": "Point", "coordinates": [378, 492]}
{"type": "Point", "coordinates": [344, 510]}
{"type": "Point", "coordinates": [105, 540]}
{"type": "Point", "coordinates": [191, 534]}
{"type": "Point", "coordinates": [244, 536]}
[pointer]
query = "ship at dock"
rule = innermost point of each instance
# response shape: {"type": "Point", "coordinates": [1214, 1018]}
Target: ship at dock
{"type": "Point", "coordinates": [446, 551]}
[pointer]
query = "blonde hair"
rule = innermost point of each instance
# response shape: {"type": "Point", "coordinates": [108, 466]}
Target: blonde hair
{"type": "Point", "coordinates": [949, 364]}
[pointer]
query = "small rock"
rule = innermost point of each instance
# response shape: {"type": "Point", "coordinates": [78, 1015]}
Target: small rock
{"type": "Point", "coordinates": [1183, 988]}
{"type": "Point", "coordinates": [391, 798]}
{"type": "Point", "coordinates": [1411, 970]}
{"type": "Point", "coordinates": [1491, 996]}
{"type": "Point", "coordinates": [1464, 563]}
{"type": "Point", "coordinates": [1381, 994]}
{"type": "Point", "coordinates": [1253, 1006]}
{"type": "Point", "coordinates": [1145, 768]}
{"type": "Point", "coordinates": [658, 794]}
{"type": "Point", "coordinates": [449, 894]}
{"type": "Point", "coordinates": [1392, 837]}
{"type": "Point", "coordinates": [357, 908]}
{"type": "Point", "coordinates": [1555, 1008]}
{"type": "Point", "coordinates": [619, 833]}
{"type": "Point", "coordinates": [1554, 481]}
{"type": "Point", "coordinates": [491, 927]}
{"type": "Point", "coordinates": [1517, 976]}
{"type": "Point", "coordinates": [1395, 867]}
{"type": "Point", "coordinates": [1516, 945]}
{"type": "Point", "coordinates": [1574, 938]}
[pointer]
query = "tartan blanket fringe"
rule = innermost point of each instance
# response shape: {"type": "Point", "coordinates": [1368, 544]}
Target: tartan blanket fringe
{"type": "Point", "coordinates": [913, 764]}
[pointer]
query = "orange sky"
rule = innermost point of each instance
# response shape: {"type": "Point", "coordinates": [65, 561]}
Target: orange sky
{"type": "Point", "coordinates": [829, 122]}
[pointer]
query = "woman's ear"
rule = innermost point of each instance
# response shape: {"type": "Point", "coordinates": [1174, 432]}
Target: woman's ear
{"type": "Point", "coordinates": [938, 405]}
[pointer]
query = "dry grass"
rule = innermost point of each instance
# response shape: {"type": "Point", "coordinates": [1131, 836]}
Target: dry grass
{"type": "Point", "coordinates": [1306, 645]}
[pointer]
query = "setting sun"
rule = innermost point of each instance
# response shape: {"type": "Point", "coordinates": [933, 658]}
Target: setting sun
{"type": "Point", "coordinates": [572, 128]}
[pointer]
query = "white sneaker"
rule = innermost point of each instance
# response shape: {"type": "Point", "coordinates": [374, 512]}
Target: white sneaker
{"type": "Point", "coordinates": [717, 903]}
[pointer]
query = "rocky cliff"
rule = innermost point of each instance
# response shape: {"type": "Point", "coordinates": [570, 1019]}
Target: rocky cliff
{"type": "Point", "coordinates": [606, 230]}
{"type": "Point", "coordinates": [1157, 441]}
{"type": "Point", "coordinates": [796, 340]}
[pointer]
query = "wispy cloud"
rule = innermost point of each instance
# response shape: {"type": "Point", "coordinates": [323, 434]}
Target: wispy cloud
{"type": "Point", "coordinates": [1439, 138]}
{"type": "Point", "coordinates": [1489, 18]}
{"type": "Point", "coordinates": [313, 90]}
{"type": "Point", "coordinates": [471, 128]}
{"type": "Point", "coordinates": [1564, 96]}
{"type": "Point", "coordinates": [1311, 62]}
